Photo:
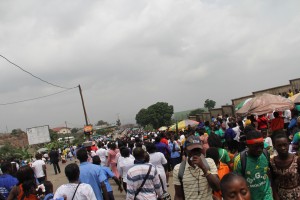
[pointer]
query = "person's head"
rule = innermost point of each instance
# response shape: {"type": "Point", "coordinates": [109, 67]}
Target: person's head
{"type": "Point", "coordinates": [255, 143]}
{"type": "Point", "coordinates": [82, 155]}
{"type": "Point", "coordinates": [151, 148]}
{"type": "Point", "coordinates": [72, 172]}
{"type": "Point", "coordinates": [157, 139]}
{"type": "Point", "coordinates": [281, 144]}
{"type": "Point", "coordinates": [25, 173]}
{"type": "Point", "coordinates": [113, 146]}
{"type": "Point", "coordinates": [96, 160]}
{"type": "Point", "coordinates": [213, 153]}
{"type": "Point", "coordinates": [276, 114]}
{"type": "Point", "coordinates": [100, 144]}
{"type": "Point", "coordinates": [38, 156]}
{"type": "Point", "coordinates": [6, 167]}
{"type": "Point", "coordinates": [139, 153]}
{"type": "Point", "coordinates": [234, 187]}
{"type": "Point", "coordinates": [214, 141]}
{"type": "Point", "coordinates": [193, 146]}
{"type": "Point", "coordinates": [125, 152]}
{"type": "Point", "coordinates": [48, 187]}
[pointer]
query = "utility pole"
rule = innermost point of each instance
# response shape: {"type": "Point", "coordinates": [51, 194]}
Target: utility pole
{"type": "Point", "coordinates": [80, 91]}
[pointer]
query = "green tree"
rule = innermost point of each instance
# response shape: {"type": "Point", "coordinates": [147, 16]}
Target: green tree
{"type": "Point", "coordinates": [196, 111]}
{"type": "Point", "coordinates": [53, 135]}
{"type": "Point", "coordinates": [16, 132]}
{"type": "Point", "coordinates": [118, 122]}
{"type": "Point", "coordinates": [101, 122]}
{"type": "Point", "coordinates": [157, 115]}
{"type": "Point", "coordinates": [209, 104]}
{"type": "Point", "coordinates": [74, 130]}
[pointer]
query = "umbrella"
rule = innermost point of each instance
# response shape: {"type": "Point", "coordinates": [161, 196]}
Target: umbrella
{"type": "Point", "coordinates": [265, 103]}
{"type": "Point", "coordinates": [295, 98]}
{"type": "Point", "coordinates": [184, 124]}
{"type": "Point", "coordinates": [41, 150]}
{"type": "Point", "coordinates": [163, 128]}
{"type": "Point", "coordinates": [241, 104]}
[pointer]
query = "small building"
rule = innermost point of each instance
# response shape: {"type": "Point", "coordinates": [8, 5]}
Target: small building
{"type": "Point", "coordinates": [62, 130]}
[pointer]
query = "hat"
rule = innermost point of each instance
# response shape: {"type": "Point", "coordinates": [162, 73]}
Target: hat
{"type": "Point", "coordinates": [193, 142]}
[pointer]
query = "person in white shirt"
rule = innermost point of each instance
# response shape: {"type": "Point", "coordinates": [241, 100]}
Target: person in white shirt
{"type": "Point", "coordinates": [74, 190]}
{"type": "Point", "coordinates": [39, 168]}
{"type": "Point", "coordinates": [102, 153]}
{"type": "Point", "coordinates": [157, 159]}
{"type": "Point", "coordinates": [125, 162]}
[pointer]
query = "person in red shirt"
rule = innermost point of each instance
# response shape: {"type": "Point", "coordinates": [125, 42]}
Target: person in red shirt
{"type": "Point", "coordinates": [277, 123]}
{"type": "Point", "coordinates": [262, 122]}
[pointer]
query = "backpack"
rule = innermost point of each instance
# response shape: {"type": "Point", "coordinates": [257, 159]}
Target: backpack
{"type": "Point", "coordinates": [244, 159]}
{"type": "Point", "coordinates": [182, 169]}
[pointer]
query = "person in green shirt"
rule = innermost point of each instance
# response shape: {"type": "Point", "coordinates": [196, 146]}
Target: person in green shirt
{"type": "Point", "coordinates": [256, 171]}
{"type": "Point", "coordinates": [221, 132]}
{"type": "Point", "coordinates": [215, 141]}
{"type": "Point", "coordinates": [207, 127]}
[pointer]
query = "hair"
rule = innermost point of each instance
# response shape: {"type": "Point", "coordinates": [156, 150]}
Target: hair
{"type": "Point", "coordinates": [125, 152]}
{"type": "Point", "coordinates": [253, 135]}
{"type": "Point", "coordinates": [6, 167]}
{"type": "Point", "coordinates": [228, 178]}
{"type": "Point", "coordinates": [96, 160]}
{"type": "Point", "coordinates": [280, 135]}
{"type": "Point", "coordinates": [206, 123]}
{"type": "Point", "coordinates": [72, 172]}
{"type": "Point", "coordinates": [151, 148]}
{"type": "Point", "coordinates": [48, 187]}
{"type": "Point", "coordinates": [28, 187]}
{"type": "Point", "coordinates": [25, 173]}
{"type": "Point", "coordinates": [157, 139]}
{"type": "Point", "coordinates": [213, 153]}
{"type": "Point", "coordinates": [100, 144]}
{"type": "Point", "coordinates": [38, 156]}
{"type": "Point", "coordinates": [276, 114]}
{"type": "Point", "coordinates": [214, 140]}
{"type": "Point", "coordinates": [139, 153]}
{"type": "Point", "coordinates": [113, 146]}
{"type": "Point", "coordinates": [82, 155]}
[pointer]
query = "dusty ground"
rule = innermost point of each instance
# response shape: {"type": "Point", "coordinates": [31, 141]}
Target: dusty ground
{"type": "Point", "coordinates": [60, 179]}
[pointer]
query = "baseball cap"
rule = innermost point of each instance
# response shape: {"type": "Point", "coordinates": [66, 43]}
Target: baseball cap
{"type": "Point", "coordinates": [193, 142]}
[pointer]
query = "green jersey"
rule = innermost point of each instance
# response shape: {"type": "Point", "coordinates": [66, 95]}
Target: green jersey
{"type": "Point", "coordinates": [223, 156]}
{"type": "Point", "coordinates": [256, 176]}
{"type": "Point", "coordinates": [220, 133]}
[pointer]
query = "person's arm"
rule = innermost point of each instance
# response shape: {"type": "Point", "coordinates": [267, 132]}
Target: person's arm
{"type": "Point", "coordinates": [45, 171]}
{"type": "Point", "coordinates": [104, 191]}
{"type": "Point", "coordinates": [212, 178]}
{"type": "Point", "coordinates": [108, 158]}
{"type": "Point", "coordinates": [118, 182]}
{"type": "Point", "coordinates": [13, 193]}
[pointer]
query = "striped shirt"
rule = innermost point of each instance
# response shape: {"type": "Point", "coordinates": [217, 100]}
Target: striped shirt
{"type": "Point", "coordinates": [191, 186]}
{"type": "Point", "coordinates": [135, 177]}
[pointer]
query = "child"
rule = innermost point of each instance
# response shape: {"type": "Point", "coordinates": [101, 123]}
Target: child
{"type": "Point", "coordinates": [234, 186]}
{"type": "Point", "coordinates": [49, 190]}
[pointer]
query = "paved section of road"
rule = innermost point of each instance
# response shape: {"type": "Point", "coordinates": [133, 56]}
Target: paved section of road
{"type": "Point", "coordinates": [60, 179]}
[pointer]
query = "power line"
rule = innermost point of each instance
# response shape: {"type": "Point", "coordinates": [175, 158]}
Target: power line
{"type": "Point", "coordinates": [33, 74]}
{"type": "Point", "coordinates": [21, 101]}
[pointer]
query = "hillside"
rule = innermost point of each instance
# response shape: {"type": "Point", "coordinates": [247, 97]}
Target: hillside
{"type": "Point", "coordinates": [19, 140]}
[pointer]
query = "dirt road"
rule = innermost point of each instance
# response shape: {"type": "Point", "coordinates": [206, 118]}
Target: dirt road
{"type": "Point", "coordinates": [60, 179]}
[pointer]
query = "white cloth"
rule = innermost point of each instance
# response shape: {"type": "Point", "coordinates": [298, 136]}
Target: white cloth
{"type": "Point", "coordinates": [102, 153]}
{"type": "Point", "coordinates": [158, 159]}
{"type": "Point", "coordinates": [237, 132]}
{"type": "Point", "coordinates": [84, 191]}
{"type": "Point", "coordinates": [268, 140]}
{"type": "Point", "coordinates": [287, 116]}
{"type": "Point", "coordinates": [124, 164]}
{"type": "Point", "coordinates": [38, 168]}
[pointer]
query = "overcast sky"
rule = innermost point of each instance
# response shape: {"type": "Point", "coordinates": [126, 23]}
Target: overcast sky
{"type": "Point", "coordinates": [128, 55]}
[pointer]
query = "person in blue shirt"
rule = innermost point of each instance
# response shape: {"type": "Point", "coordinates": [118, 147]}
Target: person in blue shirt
{"type": "Point", "coordinates": [108, 174]}
{"type": "Point", "coordinates": [175, 152]}
{"type": "Point", "coordinates": [92, 174]}
{"type": "Point", "coordinates": [6, 180]}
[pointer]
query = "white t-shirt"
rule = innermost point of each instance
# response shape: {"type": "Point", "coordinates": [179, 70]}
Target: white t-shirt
{"type": "Point", "coordinates": [124, 164]}
{"type": "Point", "coordinates": [84, 191]}
{"type": "Point", "coordinates": [38, 168]}
{"type": "Point", "coordinates": [268, 140]}
{"type": "Point", "coordinates": [102, 153]}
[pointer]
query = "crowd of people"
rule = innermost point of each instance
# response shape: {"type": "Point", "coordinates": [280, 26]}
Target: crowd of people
{"type": "Point", "coordinates": [229, 158]}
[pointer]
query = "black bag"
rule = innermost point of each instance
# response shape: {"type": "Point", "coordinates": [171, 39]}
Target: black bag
{"type": "Point", "coordinates": [166, 195]}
